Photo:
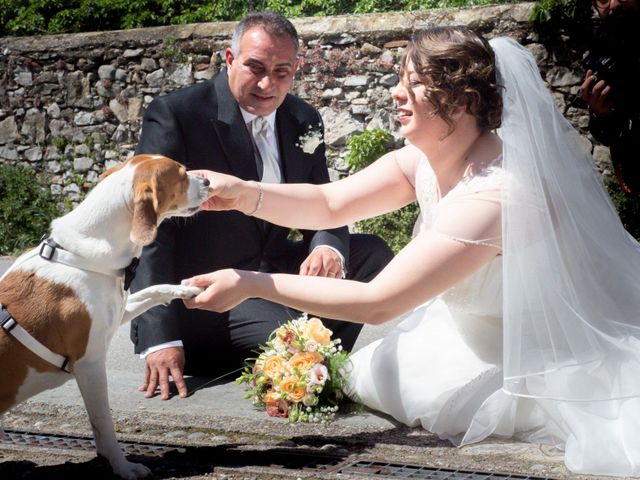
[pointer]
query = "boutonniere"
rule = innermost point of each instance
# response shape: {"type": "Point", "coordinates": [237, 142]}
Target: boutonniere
{"type": "Point", "coordinates": [310, 140]}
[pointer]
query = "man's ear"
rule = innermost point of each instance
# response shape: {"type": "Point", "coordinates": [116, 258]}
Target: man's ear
{"type": "Point", "coordinates": [145, 214]}
{"type": "Point", "coordinates": [296, 65]}
{"type": "Point", "coordinates": [229, 57]}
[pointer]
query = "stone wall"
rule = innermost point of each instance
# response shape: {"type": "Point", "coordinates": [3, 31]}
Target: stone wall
{"type": "Point", "coordinates": [71, 105]}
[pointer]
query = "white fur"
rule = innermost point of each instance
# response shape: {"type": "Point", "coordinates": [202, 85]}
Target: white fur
{"type": "Point", "coordinates": [99, 229]}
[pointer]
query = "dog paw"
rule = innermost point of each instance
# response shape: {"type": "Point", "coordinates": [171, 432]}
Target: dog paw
{"type": "Point", "coordinates": [187, 291]}
{"type": "Point", "coordinates": [130, 471]}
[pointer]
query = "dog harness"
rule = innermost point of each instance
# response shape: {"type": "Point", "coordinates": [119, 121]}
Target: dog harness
{"type": "Point", "coordinates": [9, 324]}
{"type": "Point", "coordinates": [53, 252]}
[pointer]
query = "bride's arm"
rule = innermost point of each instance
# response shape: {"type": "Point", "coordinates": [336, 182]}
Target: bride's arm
{"type": "Point", "coordinates": [430, 264]}
{"type": "Point", "coordinates": [384, 186]}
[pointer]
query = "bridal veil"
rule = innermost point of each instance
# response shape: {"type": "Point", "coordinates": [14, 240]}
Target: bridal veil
{"type": "Point", "coordinates": [571, 281]}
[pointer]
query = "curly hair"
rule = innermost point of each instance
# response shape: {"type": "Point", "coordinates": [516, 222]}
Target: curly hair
{"type": "Point", "coordinates": [457, 67]}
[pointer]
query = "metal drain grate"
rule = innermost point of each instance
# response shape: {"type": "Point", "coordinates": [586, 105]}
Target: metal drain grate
{"type": "Point", "coordinates": [390, 470]}
{"type": "Point", "coordinates": [230, 456]}
{"type": "Point", "coordinates": [49, 440]}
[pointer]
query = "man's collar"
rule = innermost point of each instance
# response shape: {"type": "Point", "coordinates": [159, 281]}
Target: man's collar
{"type": "Point", "coordinates": [248, 117]}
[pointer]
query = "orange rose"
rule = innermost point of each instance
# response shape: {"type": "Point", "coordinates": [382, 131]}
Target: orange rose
{"type": "Point", "coordinates": [271, 397]}
{"type": "Point", "coordinates": [297, 394]}
{"type": "Point", "coordinates": [273, 366]}
{"type": "Point", "coordinates": [315, 330]}
{"type": "Point", "coordinates": [294, 392]}
{"type": "Point", "coordinates": [304, 361]}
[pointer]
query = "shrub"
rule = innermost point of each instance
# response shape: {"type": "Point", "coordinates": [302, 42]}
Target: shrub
{"type": "Point", "coordinates": [562, 18]}
{"type": "Point", "coordinates": [36, 17]}
{"type": "Point", "coordinates": [395, 227]}
{"type": "Point", "coordinates": [26, 209]}
{"type": "Point", "coordinates": [367, 147]}
{"type": "Point", "coordinates": [628, 206]}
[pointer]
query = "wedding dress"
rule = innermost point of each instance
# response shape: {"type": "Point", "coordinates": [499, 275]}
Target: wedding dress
{"type": "Point", "coordinates": [444, 359]}
{"type": "Point", "coordinates": [542, 343]}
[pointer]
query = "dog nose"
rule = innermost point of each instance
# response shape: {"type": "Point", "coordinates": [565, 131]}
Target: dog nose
{"type": "Point", "coordinates": [206, 182]}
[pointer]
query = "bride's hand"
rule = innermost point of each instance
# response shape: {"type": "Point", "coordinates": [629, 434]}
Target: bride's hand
{"type": "Point", "coordinates": [228, 192]}
{"type": "Point", "coordinates": [222, 290]}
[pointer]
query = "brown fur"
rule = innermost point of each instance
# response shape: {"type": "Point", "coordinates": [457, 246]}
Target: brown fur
{"type": "Point", "coordinates": [158, 186]}
{"type": "Point", "coordinates": [133, 161]}
{"type": "Point", "coordinates": [52, 314]}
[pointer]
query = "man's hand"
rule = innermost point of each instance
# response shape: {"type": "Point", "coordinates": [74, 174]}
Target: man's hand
{"type": "Point", "coordinates": [322, 262]}
{"type": "Point", "coordinates": [596, 94]}
{"type": "Point", "coordinates": [160, 365]}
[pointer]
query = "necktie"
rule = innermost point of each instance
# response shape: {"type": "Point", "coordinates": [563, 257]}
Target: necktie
{"type": "Point", "coordinates": [268, 154]}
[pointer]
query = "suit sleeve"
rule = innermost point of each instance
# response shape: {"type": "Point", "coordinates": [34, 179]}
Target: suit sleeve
{"type": "Point", "coordinates": [161, 134]}
{"type": "Point", "coordinates": [337, 238]}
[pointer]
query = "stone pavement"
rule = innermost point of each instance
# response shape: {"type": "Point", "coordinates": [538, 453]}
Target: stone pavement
{"type": "Point", "coordinates": [218, 415]}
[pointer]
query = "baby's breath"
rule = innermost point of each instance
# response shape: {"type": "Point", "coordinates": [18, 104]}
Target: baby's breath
{"type": "Point", "coordinates": [310, 140]}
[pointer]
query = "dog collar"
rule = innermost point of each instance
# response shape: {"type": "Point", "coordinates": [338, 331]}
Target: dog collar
{"type": "Point", "coordinates": [52, 251]}
{"type": "Point", "coordinates": [11, 326]}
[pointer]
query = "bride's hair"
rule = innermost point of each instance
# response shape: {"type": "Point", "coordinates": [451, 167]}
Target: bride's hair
{"type": "Point", "coordinates": [458, 69]}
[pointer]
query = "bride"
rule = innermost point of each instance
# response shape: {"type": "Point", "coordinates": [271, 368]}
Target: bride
{"type": "Point", "coordinates": [520, 287]}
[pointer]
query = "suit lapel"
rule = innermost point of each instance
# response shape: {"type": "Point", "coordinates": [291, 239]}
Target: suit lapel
{"type": "Point", "coordinates": [232, 132]}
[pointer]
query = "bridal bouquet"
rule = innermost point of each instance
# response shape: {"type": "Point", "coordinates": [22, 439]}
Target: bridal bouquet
{"type": "Point", "coordinates": [299, 373]}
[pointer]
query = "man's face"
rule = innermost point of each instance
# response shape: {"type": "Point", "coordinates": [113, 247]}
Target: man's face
{"type": "Point", "coordinates": [617, 7]}
{"type": "Point", "coordinates": [260, 75]}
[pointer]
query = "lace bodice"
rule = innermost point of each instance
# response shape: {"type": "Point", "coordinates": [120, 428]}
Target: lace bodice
{"type": "Point", "coordinates": [479, 195]}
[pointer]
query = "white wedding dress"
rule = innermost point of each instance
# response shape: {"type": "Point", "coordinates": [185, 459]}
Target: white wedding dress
{"type": "Point", "coordinates": [543, 342]}
{"type": "Point", "coordinates": [438, 366]}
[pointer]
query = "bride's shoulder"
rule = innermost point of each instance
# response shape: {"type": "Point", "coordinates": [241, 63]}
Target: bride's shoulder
{"type": "Point", "coordinates": [490, 177]}
{"type": "Point", "coordinates": [409, 159]}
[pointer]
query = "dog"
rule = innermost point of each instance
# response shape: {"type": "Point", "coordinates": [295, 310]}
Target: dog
{"type": "Point", "coordinates": [62, 302]}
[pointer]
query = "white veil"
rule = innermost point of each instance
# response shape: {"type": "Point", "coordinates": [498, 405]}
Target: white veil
{"type": "Point", "coordinates": [571, 280]}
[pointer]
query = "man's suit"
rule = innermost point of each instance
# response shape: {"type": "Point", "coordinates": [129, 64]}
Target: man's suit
{"type": "Point", "coordinates": [202, 127]}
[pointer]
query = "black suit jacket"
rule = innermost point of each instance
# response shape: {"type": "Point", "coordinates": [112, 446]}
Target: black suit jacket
{"type": "Point", "coordinates": [202, 127]}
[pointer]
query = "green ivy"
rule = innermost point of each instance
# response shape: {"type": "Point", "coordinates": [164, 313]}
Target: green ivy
{"type": "Point", "coordinates": [367, 147]}
{"type": "Point", "coordinates": [628, 206]}
{"type": "Point", "coordinates": [34, 17]}
{"type": "Point", "coordinates": [26, 209]}
{"type": "Point", "coordinates": [563, 17]}
{"type": "Point", "coordinates": [395, 227]}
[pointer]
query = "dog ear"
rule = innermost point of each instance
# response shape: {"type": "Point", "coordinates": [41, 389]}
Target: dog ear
{"type": "Point", "coordinates": [145, 216]}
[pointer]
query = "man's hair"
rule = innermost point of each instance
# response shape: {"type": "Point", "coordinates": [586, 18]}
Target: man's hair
{"type": "Point", "coordinates": [272, 22]}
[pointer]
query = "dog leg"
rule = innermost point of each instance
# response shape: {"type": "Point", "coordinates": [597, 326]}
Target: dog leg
{"type": "Point", "coordinates": [155, 295]}
{"type": "Point", "coordinates": [92, 381]}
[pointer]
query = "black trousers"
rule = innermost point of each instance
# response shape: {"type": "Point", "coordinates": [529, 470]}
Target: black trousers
{"type": "Point", "coordinates": [218, 344]}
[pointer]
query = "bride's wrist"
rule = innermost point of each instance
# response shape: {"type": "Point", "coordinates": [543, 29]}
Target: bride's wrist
{"type": "Point", "coordinates": [251, 283]}
{"type": "Point", "coordinates": [254, 198]}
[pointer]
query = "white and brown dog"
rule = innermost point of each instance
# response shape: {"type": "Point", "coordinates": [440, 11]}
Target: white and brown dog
{"type": "Point", "coordinates": [62, 302]}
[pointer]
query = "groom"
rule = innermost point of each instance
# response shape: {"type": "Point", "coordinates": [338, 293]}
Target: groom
{"type": "Point", "coordinates": [212, 126]}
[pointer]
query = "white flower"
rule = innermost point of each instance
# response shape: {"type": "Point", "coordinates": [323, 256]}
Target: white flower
{"type": "Point", "coordinates": [318, 375]}
{"type": "Point", "coordinates": [309, 400]}
{"type": "Point", "coordinates": [311, 346]}
{"type": "Point", "coordinates": [311, 140]}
